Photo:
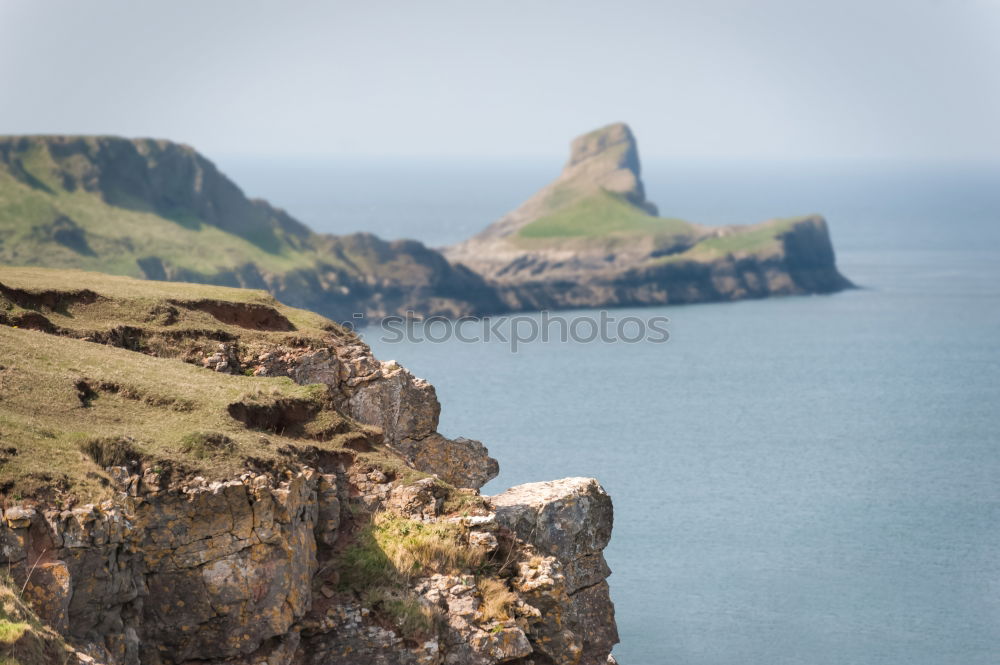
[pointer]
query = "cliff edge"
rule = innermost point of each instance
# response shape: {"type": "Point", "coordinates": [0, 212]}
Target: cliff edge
{"type": "Point", "coordinates": [196, 474]}
{"type": "Point", "coordinates": [591, 238]}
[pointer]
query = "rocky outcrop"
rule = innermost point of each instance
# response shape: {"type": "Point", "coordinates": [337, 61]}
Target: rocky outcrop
{"type": "Point", "coordinates": [261, 340]}
{"type": "Point", "coordinates": [590, 239]}
{"type": "Point", "coordinates": [384, 394]}
{"type": "Point", "coordinates": [293, 503]}
{"type": "Point", "coordinates": [243, 572]}
{"type": "Point", "coordinates": [570, 522]}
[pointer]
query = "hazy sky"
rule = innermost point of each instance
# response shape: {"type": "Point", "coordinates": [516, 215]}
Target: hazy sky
{"type": "Point", "coordinates": [706, 78]}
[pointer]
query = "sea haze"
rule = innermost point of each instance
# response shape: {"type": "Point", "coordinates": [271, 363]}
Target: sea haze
{"type": "Point", "coordinates": [807, 480]}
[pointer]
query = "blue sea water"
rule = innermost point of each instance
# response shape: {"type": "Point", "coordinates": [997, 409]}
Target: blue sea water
{"type": "Point", "coordinates": [802, 481]}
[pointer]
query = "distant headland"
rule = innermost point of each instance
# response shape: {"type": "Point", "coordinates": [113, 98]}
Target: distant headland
{"type": "Point", "coordinates": [591, 238]}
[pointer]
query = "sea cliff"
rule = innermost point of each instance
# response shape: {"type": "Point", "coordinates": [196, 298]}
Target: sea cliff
{"type": "Point", "coordinates": [196, 474]}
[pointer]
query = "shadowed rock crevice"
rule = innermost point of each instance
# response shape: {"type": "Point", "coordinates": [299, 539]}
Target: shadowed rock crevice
{"type": "Point", "coordinates": [245, 315]}
{"type": "Point", "coordinates": [52, 300]}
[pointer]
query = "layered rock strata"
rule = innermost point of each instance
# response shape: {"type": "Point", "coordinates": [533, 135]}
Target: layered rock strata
{"type": "Point", "coordinates": [244, 571]}
{"type": "Point", "coordinates": [348, 530]}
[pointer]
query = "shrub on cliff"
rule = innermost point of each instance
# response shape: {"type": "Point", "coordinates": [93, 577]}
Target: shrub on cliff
{"type": "Point", "coordinates": [391, 551]}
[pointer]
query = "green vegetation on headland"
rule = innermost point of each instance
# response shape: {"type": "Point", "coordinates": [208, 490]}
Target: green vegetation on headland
{"type": "Point", "coordinates": [99, 371]}
{"type": "Point", "coordinates": [591, 238]}
{"type": "Point", "coordinates": [602, 214]}
{"type": "Point", "coordinates": [159, 210]}
{"type": "Point", "coordinates": [83, 203]}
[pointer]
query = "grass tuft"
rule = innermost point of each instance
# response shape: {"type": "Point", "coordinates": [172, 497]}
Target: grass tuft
{"type": "Point", "coordinates": [11, 632]}
{"type": "Point", "coordinates": [497, 599]}
{"type": "Point", "coordinates": [409, 615]}
{"type": "Point", "coordinates": [420, 548]}
{"type": "Point", "coordinates": [392, 550]}
{"type": "Point", "coordinates": [206, 444]}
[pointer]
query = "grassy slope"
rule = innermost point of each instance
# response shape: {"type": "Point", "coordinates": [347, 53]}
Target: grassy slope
{"type": "Point", "coordinates": [760, 239]}
{"type": "Point", "coordinates": [159, 404]}
{"type": "Point", "coordinates": [601, 214]}
{"type": "Point", "coordinates": [45, 420]}
{"type": "Point", "coordinates": [606, 220]}
{"type": "Point", "coordinates": [117, 236]}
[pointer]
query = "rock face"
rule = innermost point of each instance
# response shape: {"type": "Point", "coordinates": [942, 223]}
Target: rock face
{"type": "Point", "coordinates": [318, 518]}
{"type": "Point", "coordinates": [160, 210]}
{"type": "Point", "coordinates": [570, 521]}
{"type": "Point", "coordinates": [590, 238]}
{"type": "Point", "coordinates": [238, 572]}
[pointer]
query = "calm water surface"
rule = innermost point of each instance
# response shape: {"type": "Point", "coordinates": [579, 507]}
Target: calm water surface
{"type": "Point", "coordinates": [810, 480]}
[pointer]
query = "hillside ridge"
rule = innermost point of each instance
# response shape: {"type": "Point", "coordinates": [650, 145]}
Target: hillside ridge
{"type": "Point", "coordinates": [160, 210]}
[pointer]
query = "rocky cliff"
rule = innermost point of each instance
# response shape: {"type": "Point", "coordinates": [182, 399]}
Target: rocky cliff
{"type": "Point", "coordinates": [160, 210]}
{"type": "Point", "coordinates": [194, 474]}
{"type": "Point", "coordinates": [590, 238]}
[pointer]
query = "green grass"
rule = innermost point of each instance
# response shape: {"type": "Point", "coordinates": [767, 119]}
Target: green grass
{"type": "Point", "coordinates": [11, 632]}
{"type": "Point", "coordinates": [71, 407]}
{"type": "Point", "coordinates": [119, 236]}
{"type": "Point", "coordinates": [392, 550]}
{"type": "Point", "coordinates": [122, 230]}
{"type": "Point", "coordinates": [760, 240]}
{"type": "Point", "coordinates": [66, 444]}
{"type": "Point", "coordinates": [598, 215]}
{"type": "Point", "coordinates": [608, 221]}
{"type": "Point", "coordinates": [753, 238]}
{"type": "Point", "coordinates": [395, 549]}
{"type": "Point", "coordinates": [404, 610]}
{"type": "Point", "coordinates": [24, 640]}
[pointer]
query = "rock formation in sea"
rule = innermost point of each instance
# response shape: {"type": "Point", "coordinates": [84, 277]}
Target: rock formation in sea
{"type": "Point", "coordinates": [196, 474]}
{"type": "Point", "coordinates": [591, 238]}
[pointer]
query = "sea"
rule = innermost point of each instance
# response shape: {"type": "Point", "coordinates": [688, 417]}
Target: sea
{"type": "Point", "coordinates": [807, 480]}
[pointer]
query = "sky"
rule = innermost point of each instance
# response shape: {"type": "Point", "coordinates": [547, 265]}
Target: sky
{"type": "Point", "coordinates": [767, 79]}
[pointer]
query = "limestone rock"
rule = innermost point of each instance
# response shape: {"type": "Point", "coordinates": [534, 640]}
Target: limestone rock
{"type": "Point", "coordinates": [387, 396]}
{"type": "Point", "coordinates": [461, 462]}
{"type": "Point", "coordinates": [569, 520]}
{"type": "Point", "coordinates": [230, 572]}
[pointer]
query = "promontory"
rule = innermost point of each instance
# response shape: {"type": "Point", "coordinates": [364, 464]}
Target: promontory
{"type": "Point", "coordinates": [591, 239]}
